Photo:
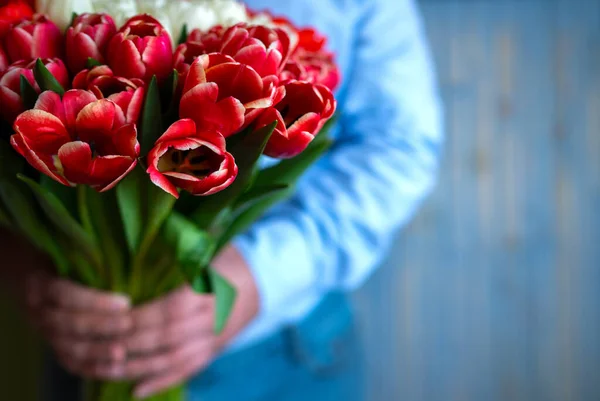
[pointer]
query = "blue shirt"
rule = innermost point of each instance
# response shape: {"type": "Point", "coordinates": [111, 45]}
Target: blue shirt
{"type": "Point", "coordinates": [342, 219]}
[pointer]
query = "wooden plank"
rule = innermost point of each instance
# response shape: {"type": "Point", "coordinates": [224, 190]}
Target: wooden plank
{"type": "Point", "coordinates": [494, 286]}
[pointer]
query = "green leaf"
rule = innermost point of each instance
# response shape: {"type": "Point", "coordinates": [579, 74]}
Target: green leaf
{"type": "Point", "coordinates": [225, 295]}
{"type": "Point", "coordinates": [194, 247]}
{"type": "Point", "coordinates": [28, 93]}
{"type": "Point", "coordinates": [324, 132]}
{"type": "Point", "coordinates": [246, 152]}
{"type": "Point", "coordinates": [45, 79]}
{"type": "Point", "coordinates": [73, 16]}
{"type": "Point", "coordinates": [92, 62]}
{"type": "Point", "coordinates": [86, 272]}
{"type": "Point", "coordinates": [143, 206]}
{"type": "Point", "coordinates": [289, 170]}
{"type": "Point", "coordinates": [256, 193]}
{"type": "Point", "coordinates": [22, 208]}
{"type": "Point", "coordinates": [183, 35]}
{"type": "Point", "coordinates": [170, 89]}
{"type": "Point", "coordinates": [130, 197]}
{"type": "Point", "coordinates": [249, 214]}
{"type": "Point", "coordinates": [283, 176]}
{"type": "Point", "coordinates": [100, 217]}
{"type": "Point", "coordinates": [201, 284]}
{"type": "Point", "coordinates": [12, 163]}
{"type": "Point", "coordinates": [63, 221]}
{"type": "Point", "coordinates": [151, 125]}
{"type": "Point", "coordinates": [66, 195]}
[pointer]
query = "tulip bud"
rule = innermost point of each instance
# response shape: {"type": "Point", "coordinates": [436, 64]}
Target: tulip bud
{"type": "Point", "coordinates": [12, 12]}
{"type": "Point", "coordinates": [90, 142]}
{"type": "Point", "coordinates": [300, 116]}
{"type": "Point", "coordinates": [10, 84]}
{"type": "Point", "coordinates": [141, 49]}
{"type": "Point", "coordinates": [88, 37]}
{"type": "Point", "coordinates": [127, 94]}
{"type": "Point", "coordinates": [35, 38]}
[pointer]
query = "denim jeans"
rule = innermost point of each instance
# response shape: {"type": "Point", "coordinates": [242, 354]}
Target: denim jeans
{"type": "Point", "coordinates": [318, 359]}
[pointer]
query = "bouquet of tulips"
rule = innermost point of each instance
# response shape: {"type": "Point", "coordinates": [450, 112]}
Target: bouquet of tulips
{"type": "Point", "coordinates": [131, 158]}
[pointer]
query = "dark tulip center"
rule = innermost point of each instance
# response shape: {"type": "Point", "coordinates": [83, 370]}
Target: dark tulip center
{"type": "Point", "coordinates": [143, 30]}
{"type": "Point", "coordinates": [199, 162]}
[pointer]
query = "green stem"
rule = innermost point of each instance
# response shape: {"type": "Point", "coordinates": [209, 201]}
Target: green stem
{"type": "Point", "coordinates": [135, 283]}
{"type": "Point", "coordinates": [123, 391]}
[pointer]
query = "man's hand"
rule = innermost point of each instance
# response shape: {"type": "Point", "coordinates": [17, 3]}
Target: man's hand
{"type": "Point", "coordinates": [160, 344]}
{"type": "Point", "coordinates": [85, 327]}
{"type": "Point", "coordinates": [173, 337]}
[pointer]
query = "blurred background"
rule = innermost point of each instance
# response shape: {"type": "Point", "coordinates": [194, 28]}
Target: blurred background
{"type": "Point", "coordinates": [493, 291]}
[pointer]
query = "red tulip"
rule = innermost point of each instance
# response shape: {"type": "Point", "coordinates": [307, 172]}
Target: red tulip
{"type": "Point", "coordinates": [35, 38]}
{"type": "Point", "coordinates": [77, 139]}
{"type": "Point", "coordinates": [193, 160]}
{"type": "Point", "coordinates": [88, 37]}
{"type": "Point", "coordinates": [311, 40]}
{"type": "Point", "coordinates": [10, 84]}
{"type": "Point", "coordinates": [141, 49]}
{"type": "Point", "coordinates": [314, 67]}
{"type": "Point", "coordinates": [264, 49]}
{"type": "Point", "coordinates": [11, 12]}
{"type": "Point", "coordinates": [300, 116]}
{"type": "Point", "coordinates": [128, 94]}
{"type": "Point", "coordinates": [223, 95]}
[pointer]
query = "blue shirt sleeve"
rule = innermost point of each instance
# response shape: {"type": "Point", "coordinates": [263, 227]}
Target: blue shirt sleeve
{"type": "Point", "coordinates": [347, 207]}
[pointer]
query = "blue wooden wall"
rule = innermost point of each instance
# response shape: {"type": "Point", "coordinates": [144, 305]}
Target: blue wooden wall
{"type": "Point", "coordinates": [493, 291]}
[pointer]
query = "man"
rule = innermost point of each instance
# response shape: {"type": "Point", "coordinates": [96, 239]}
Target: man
{"type": "Point", "coordinates": [290, 336]}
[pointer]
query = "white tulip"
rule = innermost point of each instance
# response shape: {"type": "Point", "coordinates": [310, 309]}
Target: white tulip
{"type": "Point", "coordinates": [120, 11]}
{"type": "Point", "coordinates": [201, 14]}
{"type": "Point", "coordinates": [61, 11]}
{"type": "Point", "coordinates": [172, 14]}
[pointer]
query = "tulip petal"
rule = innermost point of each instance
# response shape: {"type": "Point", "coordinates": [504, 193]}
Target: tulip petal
{"type": "Point", "coordinates": [181, 129]}
{"type": "Point", "coordinates": [208, 92]}
{"type": "Point", "coordinates": [107, 168]}
{"type": "Point", "coordinates": [76, 160]}
{"type": "Point", "coordinates": [12, 105]}
{"type": "Point", "coordinates": [196, 75]}
{"type": "Point", "coordinates": [262, 61]}
{"type": "Point", "coordinates": [47, 41]}
{"type": "Point", "coordinates": [41, 131]}
{"type": "Point", "coordinates": [107, 171]}
{"type": "Point", "coordinates": [19, 44]}
{"type": "Point", "coordinates": [155, 54]}
{"type": "Point", "coordinates": [237, 80]}
{"type": "Point", "coordinates": [74, 101]}
{"type": "Point", "coordinates": [162, 182]}
{"type": "Point", "coordinates": [79, 49]}
{"type": "Point", "coordinates": [307, 123]}
{"type": "Point", "coordinates": [126, 142]}
{"type": "Point", "coordinates": [95, 121]}
{"type": "Point", "coordinates": [50, 101]}
{"type": "Point", "coordinates": [135, 106]}
{"type": "Point", "coordinates": [43, 166]}
{"type": "Point", "coordinates": [125, 59]}
{"type": "Point", "coordinates": [226, 116]}
{"type": "Point", "coordinates": [181, 176]}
